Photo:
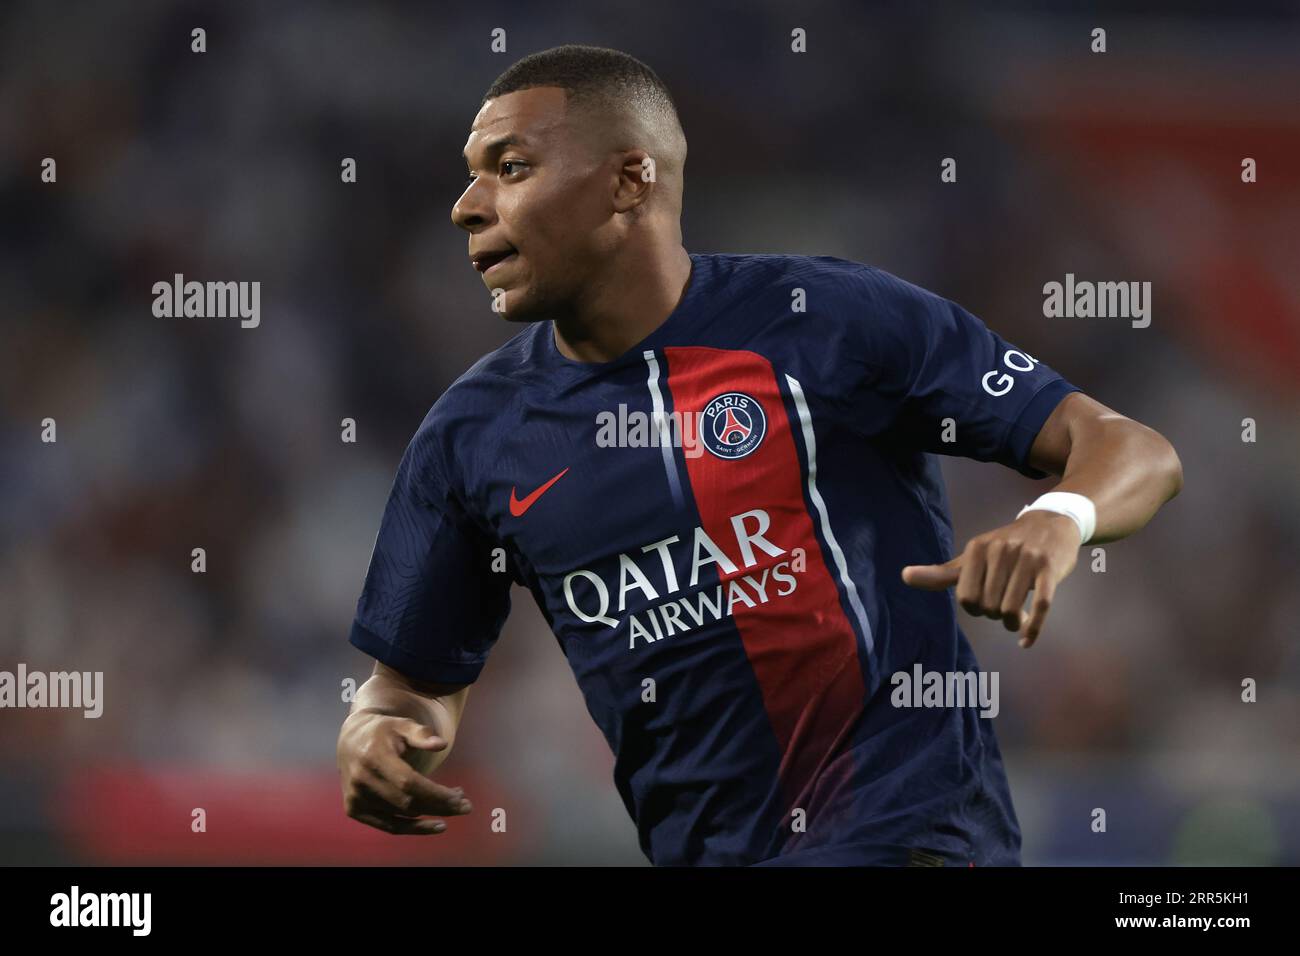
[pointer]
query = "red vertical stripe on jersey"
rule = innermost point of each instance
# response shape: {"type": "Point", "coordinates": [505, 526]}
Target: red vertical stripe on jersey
{"type": "Point", "coordinates": [801, 646]}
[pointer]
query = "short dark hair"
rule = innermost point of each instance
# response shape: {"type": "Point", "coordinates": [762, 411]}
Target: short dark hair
{"type": "Point", "coordinates": [592, 76]}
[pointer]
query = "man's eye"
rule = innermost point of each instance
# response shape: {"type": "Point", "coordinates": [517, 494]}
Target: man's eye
{"type": "Point", "coordinates": [509, 162]}
{"type": "Point", "coordinates": [468, 182]}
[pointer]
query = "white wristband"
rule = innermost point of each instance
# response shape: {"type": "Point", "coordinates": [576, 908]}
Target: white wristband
{"type": "Point", "coordinates": [1078, 507]}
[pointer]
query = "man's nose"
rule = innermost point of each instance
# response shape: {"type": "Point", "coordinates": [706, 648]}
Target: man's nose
{"type": "Point", "coordinates": [473, 209]}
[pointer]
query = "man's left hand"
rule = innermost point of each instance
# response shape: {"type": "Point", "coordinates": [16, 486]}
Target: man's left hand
{"type": "Point", "coordinates": [996, 571]}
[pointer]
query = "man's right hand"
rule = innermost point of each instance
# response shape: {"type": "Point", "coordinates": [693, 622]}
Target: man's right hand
{"type": "Point", "coordinates": [378, 757]}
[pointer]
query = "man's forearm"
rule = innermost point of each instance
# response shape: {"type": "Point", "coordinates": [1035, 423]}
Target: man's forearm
{"type": "Point", "coordinates": [1127, 469]}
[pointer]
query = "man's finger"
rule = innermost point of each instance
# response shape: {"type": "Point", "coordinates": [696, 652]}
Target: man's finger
{"type": "Point", "coordinates": [426, 796]}
{"type": "Point", "coordinates": [400, 827]}
{"type": "Point", "coordinates": [429, 797]}
{"type": "Point", "coordinates": [1044, 589]}
{"type": "Point", "coordinates": [384, 796]}
{"type": "Point", "coordinates": [971, 582]}
{"type": "Point", "coordinates": [419, 735]}
{"type": "Point", "coordinates": [933, 577]}
{"type": "Point", "coordinates": [409, 798]}
{"type": "Point", "coordinates": [367, 801]}
{"type": "Point", "coordinates": [1013, 597]}
{"type": "Point", "coordinates": [1001, 559]}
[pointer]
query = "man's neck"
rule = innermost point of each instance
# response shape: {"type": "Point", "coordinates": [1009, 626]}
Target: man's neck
{"type": "Point", "coordinates": [632, 303]}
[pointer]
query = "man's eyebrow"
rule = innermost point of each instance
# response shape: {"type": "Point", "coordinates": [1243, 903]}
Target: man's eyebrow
{"type": "Point", "coordinates": [497, 145]}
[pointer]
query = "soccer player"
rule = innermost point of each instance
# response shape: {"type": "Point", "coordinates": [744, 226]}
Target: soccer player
{"type": "Point", "coordinates": [716, 474]}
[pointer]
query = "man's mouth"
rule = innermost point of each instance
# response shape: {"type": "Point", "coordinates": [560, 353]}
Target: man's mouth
{"type": "Point", "coordinates": [489, 260]}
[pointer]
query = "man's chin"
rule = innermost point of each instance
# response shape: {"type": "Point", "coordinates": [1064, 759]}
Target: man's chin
{"type": "Point", "coordinates": [513, 306]}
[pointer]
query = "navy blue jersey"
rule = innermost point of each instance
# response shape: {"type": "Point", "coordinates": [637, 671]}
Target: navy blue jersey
{"type": "Point", "coordinates": [714, 526]}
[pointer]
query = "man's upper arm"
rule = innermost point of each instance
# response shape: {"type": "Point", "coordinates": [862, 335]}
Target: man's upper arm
{"type": "Point", "coordinates": [432, 605]}
{"type": "Point", "coordinates": [944, 381]}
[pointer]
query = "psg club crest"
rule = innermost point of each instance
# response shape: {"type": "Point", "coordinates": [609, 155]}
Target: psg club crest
{"type": "Point", "coordinates": [733, 426]}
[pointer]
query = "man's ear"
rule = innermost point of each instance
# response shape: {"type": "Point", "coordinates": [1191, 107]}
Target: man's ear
{"type": "Point", "coordinates": [636, 180]}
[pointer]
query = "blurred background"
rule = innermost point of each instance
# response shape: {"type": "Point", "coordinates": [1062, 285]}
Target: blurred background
{"type": "Point", "coordinates": [224, 690]}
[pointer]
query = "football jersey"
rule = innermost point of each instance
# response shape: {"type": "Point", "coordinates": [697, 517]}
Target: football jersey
{"type": "Point", "coordinates": [714, 526]}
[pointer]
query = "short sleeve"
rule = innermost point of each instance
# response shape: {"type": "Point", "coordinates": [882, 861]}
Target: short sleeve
{"type": "Point", "coordinates": [947, 383]}
{"type": "Point", "coordinates": [432, 605]}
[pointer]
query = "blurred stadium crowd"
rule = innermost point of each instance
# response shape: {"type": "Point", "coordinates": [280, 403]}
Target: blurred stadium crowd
{"type": "Point", "coordinates": [223, 690]}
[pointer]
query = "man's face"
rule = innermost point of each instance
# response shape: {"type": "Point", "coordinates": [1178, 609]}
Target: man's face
{"type": "Point", "coordinates": [538, 205]}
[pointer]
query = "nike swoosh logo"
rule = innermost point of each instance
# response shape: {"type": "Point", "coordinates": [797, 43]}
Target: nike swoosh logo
{"type": "Point", "coordinates": [517, 507]}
